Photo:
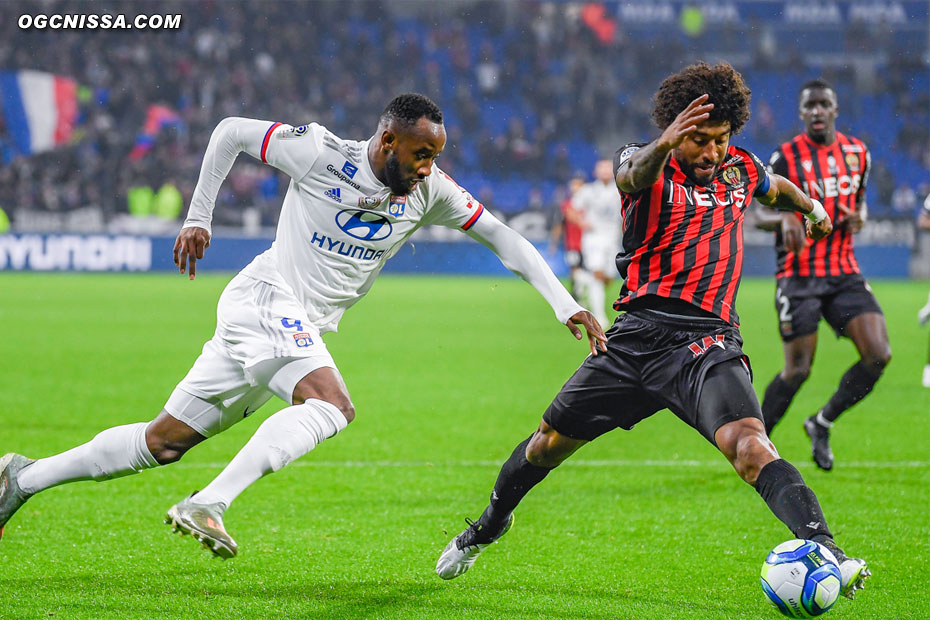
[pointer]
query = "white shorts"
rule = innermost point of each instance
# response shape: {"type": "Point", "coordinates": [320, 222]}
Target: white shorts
{"type": "Point", "coordinates": [599, 253]}
{"type": "Point", "coordinates": [263, 346]}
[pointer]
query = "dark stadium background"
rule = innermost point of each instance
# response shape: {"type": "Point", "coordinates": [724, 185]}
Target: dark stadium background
{"type": "Point", "coordinates": [532, 92]}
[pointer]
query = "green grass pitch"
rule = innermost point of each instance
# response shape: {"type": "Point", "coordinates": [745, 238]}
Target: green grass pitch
{"type": "Point", "coordinates": [447, 375]}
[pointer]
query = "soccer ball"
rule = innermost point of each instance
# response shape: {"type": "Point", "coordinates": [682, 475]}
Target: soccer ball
{"type": "Point", "coordinates": [801, 578]}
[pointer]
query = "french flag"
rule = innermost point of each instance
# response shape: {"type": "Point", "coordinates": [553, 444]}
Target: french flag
{"type": "Point", "coordinates": [39, 109]}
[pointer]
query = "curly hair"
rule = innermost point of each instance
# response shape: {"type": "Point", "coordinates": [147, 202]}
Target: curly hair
{"type": "Point", "coordinates": [728, 92]}
{"type": "Point", "coordinates": [411, 107]}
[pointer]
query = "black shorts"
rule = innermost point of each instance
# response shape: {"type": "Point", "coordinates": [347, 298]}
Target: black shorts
{"type": "Point", "coordinates": [801, 302]}
{"type": "Point", "coordinates": [654, 361]}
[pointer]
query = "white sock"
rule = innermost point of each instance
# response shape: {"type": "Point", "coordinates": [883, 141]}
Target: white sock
{"type": "Point", "coordinates": [115, 452]}
{"type": "Point", "coordinates": [584, 278]}
{"type": "Point", "coordinates": [285, 436]}
{"type": "Point", "coordinates": [596, 299]}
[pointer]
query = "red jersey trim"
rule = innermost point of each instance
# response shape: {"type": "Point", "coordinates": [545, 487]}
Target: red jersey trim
{"type": "Point", "coordinates": [267, 140]}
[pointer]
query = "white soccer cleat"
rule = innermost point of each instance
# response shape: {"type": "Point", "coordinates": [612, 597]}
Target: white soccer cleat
{"type": "Point", "coordinates": [464, 549]}
{"type": "Point", "coordinates": [926, 378]}
{"type": "Point", "coordinates": [205, 523]}
{"type": "Point", "coordinates": [923, 315]}
{"type": "Point", "coordinates": [853, 572]}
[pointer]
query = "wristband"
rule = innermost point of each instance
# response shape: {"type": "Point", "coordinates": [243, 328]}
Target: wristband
{"type": "Point", "coordinates": [818, 213]}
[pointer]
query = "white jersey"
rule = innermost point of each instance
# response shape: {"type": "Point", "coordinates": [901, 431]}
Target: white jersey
{"type": "Point", "coordinates": [600, 204]}
{"type": "Point", "coordinates": [339, 224]}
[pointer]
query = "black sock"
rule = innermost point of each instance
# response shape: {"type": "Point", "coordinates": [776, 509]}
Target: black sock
{"type": "Point", "coordinates": [778, 396]}
{"type": "Point", "coordinates": [516, 479]}
{"type": "Point", "coordinates": [781, 486]}
{"type": "Point", "coordinates": [855, 384]}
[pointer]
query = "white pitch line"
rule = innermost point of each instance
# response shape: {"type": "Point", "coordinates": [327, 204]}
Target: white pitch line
{"type": "Point", "coordinates": [721, 464]}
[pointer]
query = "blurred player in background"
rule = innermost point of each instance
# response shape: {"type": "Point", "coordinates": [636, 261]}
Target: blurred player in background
{"type": "Point", "coordinates": [598, 203]}
{"type": "Point", "coordinates": [350, 206]}
{"type": "Point", "coordinates": [923, 315]}
{"type": "Point", "coordinates": [822, 279]}
{"type": "Point", "coordinates": [568, 230]}
{"type": "Point", "coordinates": [678, 345]}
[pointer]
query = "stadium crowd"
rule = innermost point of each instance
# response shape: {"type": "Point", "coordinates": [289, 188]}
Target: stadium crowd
{"type": "Point", "coordinates": [531, 91]}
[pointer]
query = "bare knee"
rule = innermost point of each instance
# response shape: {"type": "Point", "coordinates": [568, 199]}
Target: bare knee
{"type": "Point", "coordinates": [347, 409]}
{"type": "Point", "coordinates": [549, 449]}
{"type": "Point", "coordinates": [752, 454]}
{"type": "Point", "coordinates": [165, 450]}
{"type": "Point", "coordinates": [876, 359]}
{"type": "Point", "coordinates": [168, 439]}
{"type": "Point", "coordinates": [342, 402]}
{"type": "Point", "coordinates": [747, 447]}
{"type": "Point", "coordinates": [325, 384]}
{"type": "Point", "coordinates": [796, 374]}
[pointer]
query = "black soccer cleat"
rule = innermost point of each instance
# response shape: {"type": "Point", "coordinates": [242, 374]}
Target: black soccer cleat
{"type": "Point", "coordinates": [820, 443]}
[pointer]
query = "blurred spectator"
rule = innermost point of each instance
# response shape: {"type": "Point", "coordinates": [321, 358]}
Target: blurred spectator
{"type": "Point", "coordinates": [904, 201]}
{"type": "Point", "coordinates": [141, 200]}
{"type": "Point", "coordinates": [168, 202]}
{"type": "Point", "coordinates": [531, 90]}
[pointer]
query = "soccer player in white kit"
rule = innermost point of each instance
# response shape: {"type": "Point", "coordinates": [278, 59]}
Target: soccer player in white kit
{"type": "Point", "coordinates": [599, 204]}
{"type": "Point", "coordinates": [923, 315]}
{"type": "Point", "coordinates": [349, 207]}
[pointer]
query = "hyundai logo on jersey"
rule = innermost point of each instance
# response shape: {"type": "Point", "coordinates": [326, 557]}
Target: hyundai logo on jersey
{"type": "Point", "coordinates": [364, 225]}
{"type": "Point", "coordinates": [334, 193]}
{"type": "Point", "coordinates": [396, 205]}
{"type": "Point", "coordinates": [349, 169]}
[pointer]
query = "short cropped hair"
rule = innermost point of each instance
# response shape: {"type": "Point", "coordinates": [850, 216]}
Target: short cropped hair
{"type": "Point", "coordinates": [817, 83]}
{"type": "Point", "coordinates": [728, 92]}
{"type": "Point", "coordinates": [409, 108]}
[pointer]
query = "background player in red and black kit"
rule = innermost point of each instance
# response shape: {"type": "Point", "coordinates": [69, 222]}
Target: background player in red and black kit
{"type": "Point", "coordinates": [569, 228]}
{"type": "Point", "coordinates": [678, 345]}
{"type": "Point", "coordinates": [822, 278]}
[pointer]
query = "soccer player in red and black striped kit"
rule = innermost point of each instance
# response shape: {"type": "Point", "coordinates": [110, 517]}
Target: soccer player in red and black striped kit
{"type": "Point", "coordinates": [821, 278]}
{"type": "Point", "coordinates": [677, 345]}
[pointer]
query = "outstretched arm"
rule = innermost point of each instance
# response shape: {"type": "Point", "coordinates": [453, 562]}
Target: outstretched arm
{"type": "Point", "coordinates": [520, 257]}
{"type": "Point", "coordinates": [786, 196]}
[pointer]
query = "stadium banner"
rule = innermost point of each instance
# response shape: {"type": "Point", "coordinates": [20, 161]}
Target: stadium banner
{"type": "Point", "coordinates": [39, 109]}
{"type": "Point", "coordinates": [128, 253]}
{"type": "Point", "coordinates": [637, 14]}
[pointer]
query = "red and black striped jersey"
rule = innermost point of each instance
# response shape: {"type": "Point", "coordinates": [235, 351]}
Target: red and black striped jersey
{"type": "Point", "coordinates": [835, 175]}
{"type": "Point", "coordinates": [684, 241]}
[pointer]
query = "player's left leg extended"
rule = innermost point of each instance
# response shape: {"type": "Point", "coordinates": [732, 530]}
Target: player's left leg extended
{"type": "Point", "coordinates": [870, 335]}
{"type": "Point", "coordinates": [113, 453]}
{"type": "Point", "coordinates": [727, 394]}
